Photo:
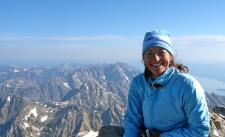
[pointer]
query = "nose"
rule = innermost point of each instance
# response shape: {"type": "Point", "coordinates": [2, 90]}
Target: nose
{"type": "Point", "coordinates": [156, 57]}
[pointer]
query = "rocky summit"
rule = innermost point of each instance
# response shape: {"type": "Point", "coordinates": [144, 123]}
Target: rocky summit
{"type": "Point", "coordinates": [72, 100]}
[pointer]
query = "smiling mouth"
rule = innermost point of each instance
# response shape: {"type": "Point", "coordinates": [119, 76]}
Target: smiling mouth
{"type": "Point", "coordinates": [156, 65]}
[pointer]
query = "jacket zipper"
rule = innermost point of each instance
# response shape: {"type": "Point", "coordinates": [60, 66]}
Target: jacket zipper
{"type": "Point", "coordinates": [153, 107]}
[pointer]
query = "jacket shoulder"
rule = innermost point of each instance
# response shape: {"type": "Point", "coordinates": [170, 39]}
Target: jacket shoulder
{"type": "Point", "coordinates": [139, 79]}
{"type": "Point", "coordinates": [138, 84]}
{"type": "Point", "coordinates": [184, 77]}
{"type": "Point", "coordinates": [189, 83]}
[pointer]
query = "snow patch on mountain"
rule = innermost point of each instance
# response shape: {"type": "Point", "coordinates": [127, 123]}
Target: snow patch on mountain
{"type": "Point", "coordinates": [8, 85]}
{"type": "Point", "coordinates": [61, 103]}
{"type": "Point", "coordinates": [26, 125]}
{"type": "Point", "coordinates": [215, 132]}
{"type": "Point", "coordinates": [86, 87]}
{"type": "Point", "coordinates": [16, 70]}
{"type": "Point", "coordinates": [44, 118]}
{"type": "Point", "coordinates": [34, 112]}
{"type": "Point", "coordinates": [87, 134]}
{"type": "Point", "coordinates": [66, 85]}
{"type": "Point", "coordinates": [8, 98]}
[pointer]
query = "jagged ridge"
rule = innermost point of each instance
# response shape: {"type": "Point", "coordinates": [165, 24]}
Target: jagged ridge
{"type": "Point", "coordinates": [67, 99]}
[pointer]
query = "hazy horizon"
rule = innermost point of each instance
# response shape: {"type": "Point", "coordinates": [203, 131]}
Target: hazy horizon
{"type": "Point", "coordinates": [106, 32]}
{"type": "Point", "coordinates": [55, 32]}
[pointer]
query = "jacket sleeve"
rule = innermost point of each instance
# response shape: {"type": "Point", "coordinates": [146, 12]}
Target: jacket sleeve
{"type": "Point", "coordinates": [133, 118]}
{"type": "Point", "coordinates": [196, 110]}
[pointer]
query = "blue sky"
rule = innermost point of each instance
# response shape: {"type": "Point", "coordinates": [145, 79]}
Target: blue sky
{"type": "Point", "coordinates": [108, 30]}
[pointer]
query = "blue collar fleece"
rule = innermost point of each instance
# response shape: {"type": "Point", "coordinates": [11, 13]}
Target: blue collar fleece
{"type": "Point", "coordinates": [164, 78]}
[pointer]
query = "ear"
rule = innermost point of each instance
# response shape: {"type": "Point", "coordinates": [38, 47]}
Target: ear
{"type": "Point", "coordinates": [143, 61]}
{"type": "Point", "coordinates": [171, 57]}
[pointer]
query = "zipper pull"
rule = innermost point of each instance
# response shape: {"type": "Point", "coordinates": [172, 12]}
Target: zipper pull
{"type": "Point", "coordinates": [147, 133]}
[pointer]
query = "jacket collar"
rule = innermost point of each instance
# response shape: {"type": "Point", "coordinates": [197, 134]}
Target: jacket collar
{"type": "Point", "coordinates": [164, 78]}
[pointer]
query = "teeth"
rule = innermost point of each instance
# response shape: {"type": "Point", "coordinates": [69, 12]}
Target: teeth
{"type": "Point", "coordinates": [156, 65]}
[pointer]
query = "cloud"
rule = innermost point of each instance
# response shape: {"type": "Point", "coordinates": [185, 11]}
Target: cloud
{"type": "Point", "coordinates": [205, 49]}
{"type": "Point", "coordinates": [99, 47]}
{"type": "Point", "coordinates": [199, 38]}
{"type": "Point", "coordinates": [13, 38]}
{"type": "Point", "coordinates": [189, 49]}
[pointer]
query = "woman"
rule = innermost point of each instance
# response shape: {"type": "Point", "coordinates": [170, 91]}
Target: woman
{"type": "Point", "coordinates": [164, 99]}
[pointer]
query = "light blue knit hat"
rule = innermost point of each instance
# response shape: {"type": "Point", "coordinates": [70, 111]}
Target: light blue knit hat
{"type": "Point", "coordinates": [158, 38]}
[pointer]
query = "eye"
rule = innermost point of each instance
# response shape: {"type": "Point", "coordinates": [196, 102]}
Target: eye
{"type": "Point", "coordinates": [162, 53]}
{"type": "Point", "coordinates": [148, 55]}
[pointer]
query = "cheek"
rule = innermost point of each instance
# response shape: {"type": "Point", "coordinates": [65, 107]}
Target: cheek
{"type": "Point", "coordinates": [146, 63]}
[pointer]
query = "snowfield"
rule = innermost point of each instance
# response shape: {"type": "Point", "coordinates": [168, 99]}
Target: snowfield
{"type": "Point", "coordinates": [87, 134]}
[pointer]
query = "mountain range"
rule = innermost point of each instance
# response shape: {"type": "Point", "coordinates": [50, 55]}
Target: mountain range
{"type": "Point", "coordinates": [72, 100]}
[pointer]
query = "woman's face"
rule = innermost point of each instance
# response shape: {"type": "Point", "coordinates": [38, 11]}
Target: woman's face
{"type": "Point", "coordinates": [157, 60]}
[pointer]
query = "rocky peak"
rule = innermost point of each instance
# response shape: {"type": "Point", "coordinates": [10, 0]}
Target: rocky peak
{"type": "Point", "coordinates": [217, 122]}
{"type": "Point", "coordinates": [70, 100]}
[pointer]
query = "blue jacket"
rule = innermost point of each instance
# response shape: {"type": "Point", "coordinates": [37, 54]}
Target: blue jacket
{"type": "Point", "coordinates": [177, 108]}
